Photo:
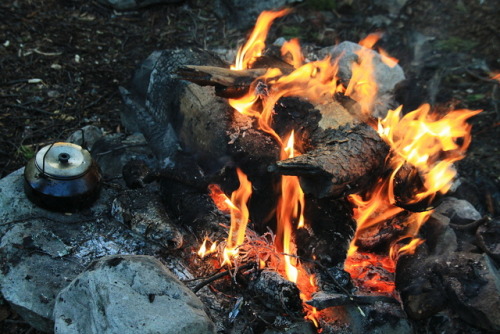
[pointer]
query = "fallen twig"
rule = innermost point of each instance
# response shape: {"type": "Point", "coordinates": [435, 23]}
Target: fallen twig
{"type": "Point", "coordinates": [472, 225]}
{"type": "Point", "coordinates": [220, 275]}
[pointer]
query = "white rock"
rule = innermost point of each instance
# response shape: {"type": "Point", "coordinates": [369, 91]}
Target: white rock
{"type": "Point", "coordinates": [129, 294]}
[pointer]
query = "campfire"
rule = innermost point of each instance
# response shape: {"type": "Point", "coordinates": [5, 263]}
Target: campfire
{"type": "Point", "coordinates": [413, 170]}
{"type": "Point", "coordinates": [293, 194]}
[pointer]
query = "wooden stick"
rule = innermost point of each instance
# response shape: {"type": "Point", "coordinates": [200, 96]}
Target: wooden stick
{"type": "Point", "coordinates": [213, 76]}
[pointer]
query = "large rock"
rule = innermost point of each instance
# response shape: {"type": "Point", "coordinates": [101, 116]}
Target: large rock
{"type": "Point", "coordinates": [42, 251]}
{"type": "Point", "coordinates": [129, 294]}
{"type": "Point", "coordinates": [386, 77]}
{"type": "Point", "coordinates": [465, 283]}
{"type": "Point", "coordinates": [459, 211]}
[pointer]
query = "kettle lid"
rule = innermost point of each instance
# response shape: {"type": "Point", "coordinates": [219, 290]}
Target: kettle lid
{"type": "Point", "coordinates": [63, 160]}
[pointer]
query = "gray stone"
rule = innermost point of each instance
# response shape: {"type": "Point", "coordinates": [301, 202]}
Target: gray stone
{"type": "Point", "coordinates": [129, 294]}
{"type": "Point", "coordinates": [133, 4]}
{"type": "Point", "coordinates": [114, 151]}
{"type": "Point", "coordinates": [391, 6]}
{"type": "Point", "coordinates": [439, 237]}
{"type": "Point", "coordinates": [43, 251]}
{"type": "Point", "coordinates": [386, 77]}
{"type": "Point", "coordinates": [242, 14]}
{"type": "Point", "coordinates": [458, 210]}
{"type": "Point", "coordinates": [86, 136]}
{"type": "Point", "coordinates": [473, 286]}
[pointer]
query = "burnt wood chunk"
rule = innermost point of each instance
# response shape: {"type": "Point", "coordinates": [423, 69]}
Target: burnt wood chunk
{"type": "Point", "coordinates": [276, 292]}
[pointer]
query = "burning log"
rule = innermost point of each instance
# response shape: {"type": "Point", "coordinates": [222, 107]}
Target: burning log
{"type": "Point", "coordinates": [343, 152]}
{"type": "Point", "coordinates": [227, 83]}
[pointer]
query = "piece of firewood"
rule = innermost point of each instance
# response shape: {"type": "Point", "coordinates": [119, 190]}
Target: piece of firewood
{"type": "Point", "coordinates": [213, 76]}
{"type": "Point", "coordinates": [322, 300]}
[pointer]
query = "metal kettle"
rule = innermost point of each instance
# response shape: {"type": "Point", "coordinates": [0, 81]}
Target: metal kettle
{"type": "Point", "coordinates": [62, 177]}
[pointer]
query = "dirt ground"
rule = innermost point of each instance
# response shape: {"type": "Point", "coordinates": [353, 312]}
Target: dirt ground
{"type": "Point", "coordinates": [62, 63]}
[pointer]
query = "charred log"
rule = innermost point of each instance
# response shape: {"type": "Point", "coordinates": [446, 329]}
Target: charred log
{"type": "Point", "coordinates": [322, 300]}
{"type": "Point", "coordinates": [165, 108]}
{"type": "Point", "coordinates": [378, 238]}
{"type": "Point", "coordinates": [184, 192]}
{"type": "Point", "coordinates": [328, 232]}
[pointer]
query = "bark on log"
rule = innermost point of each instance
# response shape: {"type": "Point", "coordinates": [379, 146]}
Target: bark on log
{"type": "Point", "coordinates": [346, 160]}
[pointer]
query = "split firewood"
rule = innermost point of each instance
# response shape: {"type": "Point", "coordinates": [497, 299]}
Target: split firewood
{"type": "Point", "coordinates": [213, 76]}
{"type": "Point", "coordinates": [230, 83]}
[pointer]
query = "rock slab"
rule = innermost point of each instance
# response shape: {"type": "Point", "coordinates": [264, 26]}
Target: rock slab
{"type": "Point", "coordinates": [129, 294]}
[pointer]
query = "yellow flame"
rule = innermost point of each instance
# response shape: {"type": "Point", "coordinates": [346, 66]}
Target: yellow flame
{"type": "Point", "coordinates": [292, 49]}
{"type": "Point", "coordinates": [431, 143]}
{"type": "Point", "coordinates": [239, 217]}
{"type": "Point", "coordinates": [202, 252]}
{"type": "Point", "coordinates": [256, 42]}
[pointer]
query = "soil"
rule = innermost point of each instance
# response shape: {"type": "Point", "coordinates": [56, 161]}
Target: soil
{"type": "Point", "coordinates": [63, 61]}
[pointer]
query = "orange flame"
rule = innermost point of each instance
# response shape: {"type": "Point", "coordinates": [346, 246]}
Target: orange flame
{"type": "Point", "coordinates": [363, 87]}
{"type": "Point", "coordinates": [239, 217]}
{"type": "Point", "coordinates": [221, 201]}
{"type": "Point", "coordinates": [495, 76]}
{"type": "Point", "coordinates": [290, 209]}
{"type": "Point", "coordinates": [370, 40]}
{"type": "Point", "coordinates": [292, 49]}
{"type": "Point", "coordinates": [431, 143]}
{"type": "Point", "coordinates": [203, 249]}
{"type": "Point", "coordinates": [428, 142]}
{"type": "Point", "coordinates": [256, 42]}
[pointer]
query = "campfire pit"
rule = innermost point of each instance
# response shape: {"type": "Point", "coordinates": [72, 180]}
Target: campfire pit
{"type": "Point", "coordinates": [295, 165]}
